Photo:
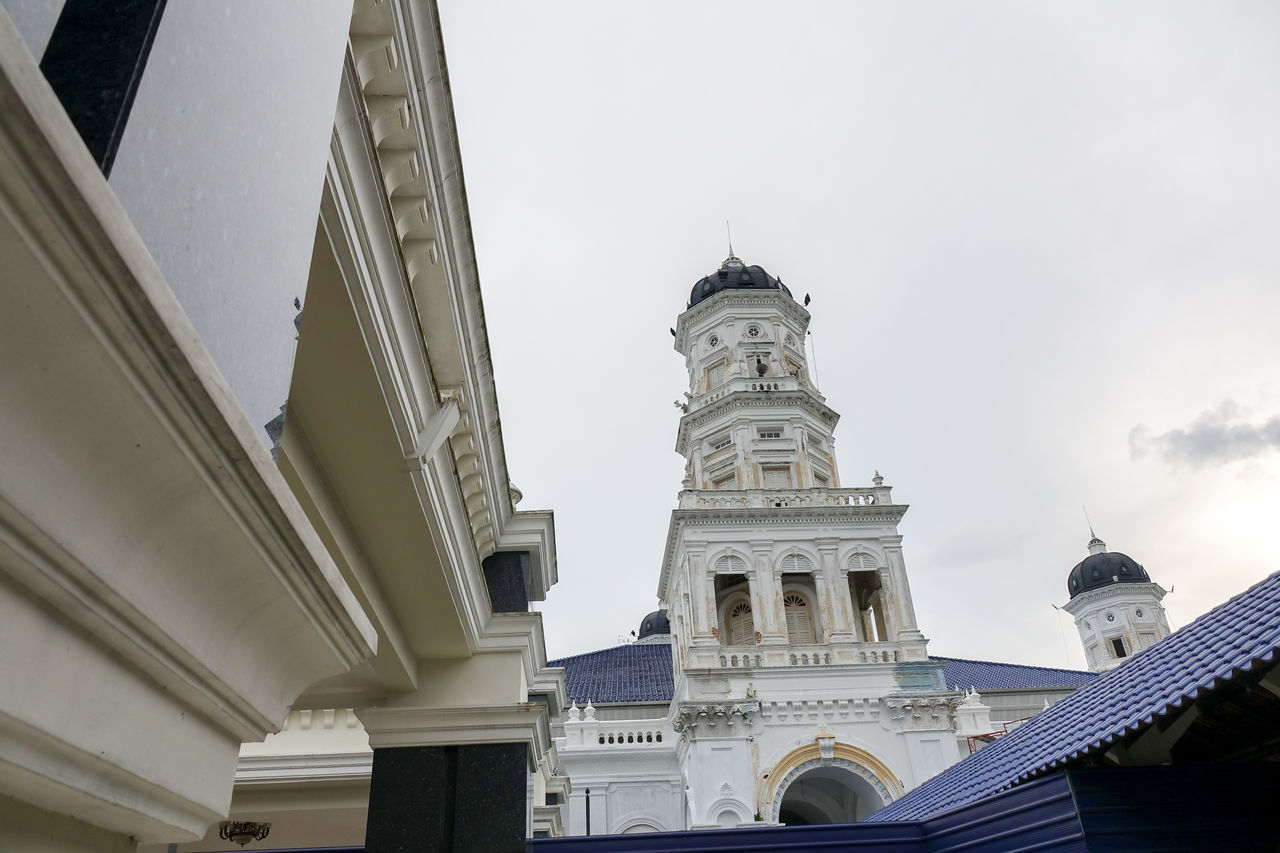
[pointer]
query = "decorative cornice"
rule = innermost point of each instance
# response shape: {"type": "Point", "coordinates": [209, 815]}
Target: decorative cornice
{"type": "Point", "coordinates": [800, 398]}
{"type": "Point", "coordinates": [525, 722]}
{"type": "Point", "coordinates": [738, 298]}
{"type": "Point", "coordinates": [924, 713]}
{"type": "Point", "coordinates": [821, 710]}
{"type": "Point", "coordinates": [692, 720]}
{"type": "Point", "coordinates": [398, 115]}
{"type": "Point", "coordinates": [306, 769]}
{"type": "Point", "coordinates": [1076, 606]}
{"type": "Point", "coordinates": [402, 80]}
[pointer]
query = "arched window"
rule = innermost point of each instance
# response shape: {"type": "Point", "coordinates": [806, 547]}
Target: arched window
{"type": "Point", "coordinates": [730, 564]}
{"type": "Point", "coordinates": [796, 563]}
{"type": "Point", "coordinates": [859, 562]}
{"type": "Point", "coordinates": [799, 623]}
{"type": "Point", "coordinates": [742, 631]}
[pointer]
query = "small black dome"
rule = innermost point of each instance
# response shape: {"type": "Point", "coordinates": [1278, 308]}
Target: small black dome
{"type": "Point", "coordinates": [734, 275]}
{"type": "Point", "coordinates": [653, 624]}
{"type": "Point", "coordinates": [1104, 569]}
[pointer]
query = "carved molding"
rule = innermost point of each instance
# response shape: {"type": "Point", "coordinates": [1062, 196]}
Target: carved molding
{"type": "Point", "coordinates": [739, 298]}
{"type": "Point", "coordinates": [926, 713]}
{"type": "Point", "coordinates": [821, 710]}
{"type": "Point", "coordinates": [712, 719]}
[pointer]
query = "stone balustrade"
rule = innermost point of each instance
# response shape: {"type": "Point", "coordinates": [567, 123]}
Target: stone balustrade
{"type": "Point", "coordinates": [747, 384]}
{"type": "Point", "coordinates": [763, 657]}
{"type": "Point", "coordinates": [590, 733]}
{"type": "Point", "coordinates": [764, 498]}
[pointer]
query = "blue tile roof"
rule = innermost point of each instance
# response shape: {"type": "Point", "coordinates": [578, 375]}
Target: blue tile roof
{"type": "Point", "coordinates": [639, 672]}
{"type": "Point", "coordinates": [984, 675]}
{"type": "Point", "coordinates": [1230, 639]}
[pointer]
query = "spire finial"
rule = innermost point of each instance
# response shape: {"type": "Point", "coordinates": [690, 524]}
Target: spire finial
{"type": "Point", "coordinates": [729, 231]}
{"type": "Point", "coordinates": [1096, 545]}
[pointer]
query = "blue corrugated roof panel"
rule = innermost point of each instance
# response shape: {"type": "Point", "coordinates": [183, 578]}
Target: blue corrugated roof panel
{"type": "Point", "coordinates": [1232, 638]}
{"type": "Point", "coordinates": [983, 675]}
{"type": "Point", "coordinates": [640, 672]}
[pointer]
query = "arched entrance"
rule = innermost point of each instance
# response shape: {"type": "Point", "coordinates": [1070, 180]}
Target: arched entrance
{"type": "Point", "coordinates": [828, 793]}
{"type": "Point", "coordinates": [829, 782]}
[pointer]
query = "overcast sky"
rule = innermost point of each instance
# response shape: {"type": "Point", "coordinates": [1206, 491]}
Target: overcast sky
{"type": "Point", "coordinates": [1041, 241]}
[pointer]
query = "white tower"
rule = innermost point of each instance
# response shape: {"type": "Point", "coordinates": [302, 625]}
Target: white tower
{"type": "Point", "coordinates": [1116, 606]}
{"type": "Point", "coordinates": [803, 687]}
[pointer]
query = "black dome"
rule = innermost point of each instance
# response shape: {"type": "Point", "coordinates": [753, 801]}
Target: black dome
{"type": "Point", "coordinates": [653, 624]}
{"type": "Point", "coordinates": [1104, 569]}
{"type": "Point", "coordinates": [734, 275]}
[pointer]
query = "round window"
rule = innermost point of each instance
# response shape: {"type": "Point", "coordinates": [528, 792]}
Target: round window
{"type": "Point", "coordinates": [753, 331]}
{"type": "Point", "coordinates": [713, 341]}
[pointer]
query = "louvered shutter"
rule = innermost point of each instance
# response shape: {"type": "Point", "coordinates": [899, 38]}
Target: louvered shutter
{"type": "Point", "coordinates": [862, 563]}
{"type": "Point", "coordinates": [796, 563]}
{"type": "Point", "coordinates": [741, 629]}
{"type": "Point", "coordinates": [799, 625]}
{"type": "Point", "coordinates": [730, 564]}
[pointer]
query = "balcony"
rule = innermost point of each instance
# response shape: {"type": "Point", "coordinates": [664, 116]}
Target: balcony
{"type": "Point", "coordinates": [769, 657]}
{"type": "Point", "coordinates": [769, 498]}
{"type": "Point", "coordinates": [748, 384]}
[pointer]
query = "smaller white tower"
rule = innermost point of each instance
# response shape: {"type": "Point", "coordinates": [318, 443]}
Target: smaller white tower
{"type": "Point", "coordinates": [1116, 606]}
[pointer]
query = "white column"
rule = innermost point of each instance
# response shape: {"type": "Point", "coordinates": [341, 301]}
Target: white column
{"type": "Point", "coordinates": [905, 612]}
{"type": "Point", "coordinates": [769, 594]}
{"type": "Point", "coordinates": [701, 594]}
{"type": "Point", "coordinates": [746, 466]}
{"type": "Point", "coordinates": [888, 607]}
{"type": "Point", "coordinates": [804, 470]}
{"type": "Point", "coordinates": [833, 589]}
{"type": "Point", "coordinates": [599, 810]}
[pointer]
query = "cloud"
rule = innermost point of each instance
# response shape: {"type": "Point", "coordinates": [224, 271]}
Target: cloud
{"type": "Point", "coordinates": [1217, 436]}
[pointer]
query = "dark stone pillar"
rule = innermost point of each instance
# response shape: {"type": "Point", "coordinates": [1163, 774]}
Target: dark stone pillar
{"type": "Point", "coordinates": [442, 799]}
{"type": "Point", "coordinates": [94, 62]}
{"type": "Point", "coordinates": [506, 574]}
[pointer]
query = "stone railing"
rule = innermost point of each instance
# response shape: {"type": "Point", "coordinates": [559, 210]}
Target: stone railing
{"type": "Point", "coordinates": [763, 657]}
{"type": "Point", "coordinates": [766, 498]}
{"type": "Point", "coordinates": [629, 736]}
{"type": "Point", "coordinates": [748, 384]}
{"type": "Point", "coordinates": [590, 733]}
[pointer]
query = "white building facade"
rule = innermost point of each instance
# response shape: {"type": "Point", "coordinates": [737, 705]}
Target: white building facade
{"type": "Point", "coordinates": [215, 633]}
{"type": "Point", "coordinates": [802, 688]}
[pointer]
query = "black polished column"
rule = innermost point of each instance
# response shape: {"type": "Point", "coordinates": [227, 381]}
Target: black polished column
{"type": "Point", "coordinates": [468, 797]}
{"type": "Point", "coordinates": [506, 574]}
{"type": "Point", "coordinates": [94, 62]}
{"type": "Point", "coordinates": [448, 799]}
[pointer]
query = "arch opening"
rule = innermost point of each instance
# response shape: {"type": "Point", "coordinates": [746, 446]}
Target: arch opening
{"type": "Point", "coordinates": [828, 794]}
